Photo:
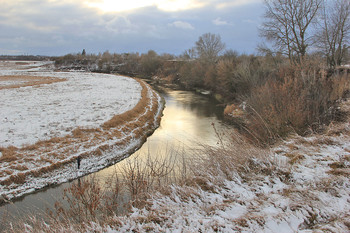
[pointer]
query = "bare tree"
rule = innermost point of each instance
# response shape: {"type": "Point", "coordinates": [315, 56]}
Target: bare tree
{"type": "Point", "coordinates": [287, 24]}
{"type": "Point", "coordinates": [150, 63]}
{"type": "Point", "coordinates": [333, 37]}
{"type": "Point", "coordinates": [209, 46]}
{"type": "Point", "coordinates": [189, 54]}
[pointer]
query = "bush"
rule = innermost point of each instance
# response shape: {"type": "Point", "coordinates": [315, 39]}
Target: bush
{"type": "Point", "coordinates": [296, 100]}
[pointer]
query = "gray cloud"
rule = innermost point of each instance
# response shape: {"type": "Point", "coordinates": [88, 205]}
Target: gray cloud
{"type": "Point", "coordinates": [57, 27]}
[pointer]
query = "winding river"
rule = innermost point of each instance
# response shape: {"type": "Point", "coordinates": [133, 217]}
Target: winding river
{"type": "Point", "coordinates": [187, 121]}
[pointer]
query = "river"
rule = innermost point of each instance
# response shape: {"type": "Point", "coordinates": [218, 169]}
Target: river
{"type": "Point", "coordinates": [187, 121]}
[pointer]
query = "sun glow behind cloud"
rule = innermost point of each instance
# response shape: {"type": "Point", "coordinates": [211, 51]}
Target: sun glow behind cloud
{"type": "Point", "coordinates": [129, 5]}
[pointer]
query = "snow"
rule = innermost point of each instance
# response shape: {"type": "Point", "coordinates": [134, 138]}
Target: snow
{"type": "Point", "coordinates": [31, 114]}
{"type": "Point", "coordinates": [81, 100]}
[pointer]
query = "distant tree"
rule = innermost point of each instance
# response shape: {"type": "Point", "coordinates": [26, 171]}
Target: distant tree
{"type": "Point", "coordinates": [230, 54]}
{"type": "Point", "coordinates": [209, 46]}
{"type": "Point", "coordinates": [287, 24]}
{"type": "Point", "coordinates": [83, 53]}
{"type": "Point", "coordinates": [105, 61]}
{"type": "Point", "coordinates": [150, 63]}
{"type": "Point", "coordinates": [189, 54]}
{"type": "Point", "coordinates": [131, 63]}
{"type": "Point", "coordinates": [333, 36]}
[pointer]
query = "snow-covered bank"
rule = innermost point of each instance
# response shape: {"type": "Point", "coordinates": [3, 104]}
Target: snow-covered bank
{"type": "Point", "coordinates": [303, 186]}
{"type": "Point", "coordinates": [45, 128]}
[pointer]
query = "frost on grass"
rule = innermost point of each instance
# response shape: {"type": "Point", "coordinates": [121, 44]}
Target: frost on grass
{"type": "Point", "coordinates": [45, 127]}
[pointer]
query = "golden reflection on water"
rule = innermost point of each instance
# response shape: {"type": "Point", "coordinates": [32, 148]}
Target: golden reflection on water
{"type": "Point", "coordinates": [186, 123]}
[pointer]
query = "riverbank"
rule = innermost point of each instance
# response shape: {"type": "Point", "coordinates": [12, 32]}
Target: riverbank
{"type": "Point", "coordinates": [300, 185]}
{"type": "Point", "coordinates": [104, 119]}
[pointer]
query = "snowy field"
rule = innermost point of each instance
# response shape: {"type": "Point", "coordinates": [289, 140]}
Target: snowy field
{"type": "Point", "coordinates": [47, 126]}
{"type": "Point", "coordinates": [31, 114]}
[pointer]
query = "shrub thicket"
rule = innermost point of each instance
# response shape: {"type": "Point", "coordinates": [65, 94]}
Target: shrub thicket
{"type": "Point", "coordinates": [294, 100]}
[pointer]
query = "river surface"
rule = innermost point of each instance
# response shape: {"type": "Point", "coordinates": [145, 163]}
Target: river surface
{"type": "Point", "coordinates": [187, 121]}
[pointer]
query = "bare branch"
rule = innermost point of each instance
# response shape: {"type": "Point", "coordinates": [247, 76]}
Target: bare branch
{"type": "Point", "coordinates": [287, 24]}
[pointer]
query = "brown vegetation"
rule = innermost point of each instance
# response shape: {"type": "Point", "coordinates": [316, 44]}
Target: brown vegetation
{"type": "Point", "coordinates": [294, 102]}
{"type": "Point", "coordinates": [123, 118]}
{"type": "Point", "coordinates": [25, 81]}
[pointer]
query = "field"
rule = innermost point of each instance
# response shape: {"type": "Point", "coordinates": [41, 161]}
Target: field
{"type": "Point", "coordinates": [50, 118]}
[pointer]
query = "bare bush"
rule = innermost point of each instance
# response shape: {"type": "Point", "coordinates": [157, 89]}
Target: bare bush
{"type": "Point", "coordinates": [234, 154]}
{"type": "Point", "coordinates": [295, 101]}
{"type": "Point", "coordinates": [85, 200]}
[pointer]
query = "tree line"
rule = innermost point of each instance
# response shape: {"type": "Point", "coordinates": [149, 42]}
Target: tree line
{"type": "Point", "coordinates": [291, 84]}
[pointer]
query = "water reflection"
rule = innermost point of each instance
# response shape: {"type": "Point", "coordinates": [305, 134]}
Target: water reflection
{"type": "Point", "coordinates": [187, 122]}
{"type": "Point", "coordinates": [197, 104]}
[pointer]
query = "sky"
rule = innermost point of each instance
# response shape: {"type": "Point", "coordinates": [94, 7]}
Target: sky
{"type": "Point", "coordinates": [59, 27]}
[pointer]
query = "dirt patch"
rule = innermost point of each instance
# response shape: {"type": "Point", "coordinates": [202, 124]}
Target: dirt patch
{"type": "Point", "coordinates": [9, 82]}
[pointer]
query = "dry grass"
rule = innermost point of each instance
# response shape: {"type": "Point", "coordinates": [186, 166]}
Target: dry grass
{"type": "Point", "coordinates": [19, 167]}
{"type": "Point", "coordinates": [229, 109]}
{"type": "Point", "coordinates": [340, 172]}
{"type": "Point", "coordinates": [28, 81]}
{"type": "Point", "coordinates": [340, 168]}
{"type": "Point", "coordinates": [296, 158]}
{"type": "Point", "coordinates": [121, 119]}
{"type": "Point", "coordinates": [237, 156]}
{"type": "Point", "coordinates": [88, 200]}
{"type": "Point", "coordinates": [22, 63]}
{"type": "Point", "coordinates": [9, 154]}
{"type": "Point", "coordinates": [294, 101]}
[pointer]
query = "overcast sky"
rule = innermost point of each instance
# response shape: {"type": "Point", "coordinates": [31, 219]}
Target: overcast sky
{"type": "Point", "coordinates": [58, 27]}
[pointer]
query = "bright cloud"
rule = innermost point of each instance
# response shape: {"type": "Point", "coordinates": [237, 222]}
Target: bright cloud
{"type": "Point", "coordinates": [236, 3]}
{"type": "Point", "coordinates": [182, 25]}
{"type": "Point", "coordinates": [218, 21]}
{"type": "Point", "coordinates": [122, 5]}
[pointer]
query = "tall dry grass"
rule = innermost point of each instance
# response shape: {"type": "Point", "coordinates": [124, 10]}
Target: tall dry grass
{"type": "Point", "coordinates": [300, 101]}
